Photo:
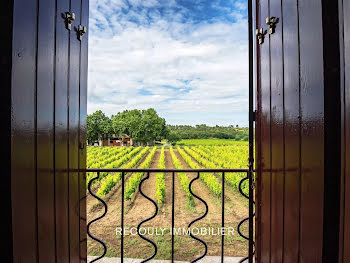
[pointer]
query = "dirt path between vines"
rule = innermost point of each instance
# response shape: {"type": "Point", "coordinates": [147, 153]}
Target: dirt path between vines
{"type": "Point", "coordinates": [199, 188]}
{"type": "Point", "coordinates": [139, 208]}
{"type": "Point", "coordinates": [214, 210]}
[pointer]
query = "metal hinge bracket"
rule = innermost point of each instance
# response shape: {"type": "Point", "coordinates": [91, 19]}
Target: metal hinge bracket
{"type": "Point", "coordinates": [260, 33]}
{"type": "Point", "coordinates": [272, 22]}
{"type": "Point", "coordinates": [81, 31]}
{"type": "Point", "coordinates": [254, 115]}
{"type": "Point", "coordinates": [70, 17]}
{"type": "Point", "coordinates": [81, 145]}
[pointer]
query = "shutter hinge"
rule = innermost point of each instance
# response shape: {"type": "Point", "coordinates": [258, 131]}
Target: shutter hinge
{"type": "Point", "coordinates": [254, 115]}
{"type": "Point", "coordinates": [81, 145]}
{"type": "Point", "coordinates": [81, 31]}
{"type": "Point", "coordinates": [272, 22]}
{"type": "Point", "coordinates": [69, 18]}
{"type": "Point", "coordinates": [260, 34]}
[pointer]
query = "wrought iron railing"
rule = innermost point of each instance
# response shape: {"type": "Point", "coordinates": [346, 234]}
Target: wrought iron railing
{"type": "Point", "coordinates": [249, 218]}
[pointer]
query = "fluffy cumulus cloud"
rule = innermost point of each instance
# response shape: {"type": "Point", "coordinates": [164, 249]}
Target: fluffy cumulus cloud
{"type": "Point", "coordinates": [186, 58]}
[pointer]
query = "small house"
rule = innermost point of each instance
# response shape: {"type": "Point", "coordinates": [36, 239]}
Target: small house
{"type": "Point", "coordinates": [119, 141]}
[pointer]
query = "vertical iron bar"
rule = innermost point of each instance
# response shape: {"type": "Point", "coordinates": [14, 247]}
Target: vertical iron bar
{"type": "Point", "coordinates": [251, 217]}
{"type": "Point", "coordinates": [251, 131]}
{"type": "Point", "coordinates": [122, 223]}
{"type": "Point", "coordinates": [222, 216]}
{"type": "Point", "coordinates": [173, 218]}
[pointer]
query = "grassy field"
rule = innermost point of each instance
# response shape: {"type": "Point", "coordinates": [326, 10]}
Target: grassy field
{"type": "Point", "coordinates": [204, 154]}
{"type": "Point", "coordinates": [218, 142]}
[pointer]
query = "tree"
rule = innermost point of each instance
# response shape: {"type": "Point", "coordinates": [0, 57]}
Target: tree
{"type": "Point", "coordinates": [91, 130]}
{"type": "Point", "coordinates": [143, 126]}
{"type": "Point", "coordinates": [173, 137]}
{"type": "Point", "coordinates": [153, 126]}
{"type": "Point", "coordinates": [99, 126]}
{"type": "Point", "coordinates": [127, 123]}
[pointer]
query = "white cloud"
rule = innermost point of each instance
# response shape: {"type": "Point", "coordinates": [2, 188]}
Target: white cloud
{"type": "Point", "coordinates": [198, 71]}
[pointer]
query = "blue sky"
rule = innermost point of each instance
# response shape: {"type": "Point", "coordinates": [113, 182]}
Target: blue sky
{"type": "Point", "coordinates": [188, 59]}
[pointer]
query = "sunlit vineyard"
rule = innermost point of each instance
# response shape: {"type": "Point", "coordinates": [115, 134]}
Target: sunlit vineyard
{"type": "Point", "coordinates": [162, 189]}
{"type": "Point", "coordinates": [195, 157]}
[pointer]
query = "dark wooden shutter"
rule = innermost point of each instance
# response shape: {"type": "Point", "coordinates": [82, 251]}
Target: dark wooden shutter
{"type": "Point", "coordinates": [44, 68]}
{"type": "Point", "coordinates": [344, 243]}
{"type": "Point", "coordinates": [298, 132]}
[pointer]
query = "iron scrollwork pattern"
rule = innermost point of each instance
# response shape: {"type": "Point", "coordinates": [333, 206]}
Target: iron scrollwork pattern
{"type": "Point", "coordinates": [96, 219]}
{"type": "Point", "coordinates": [148, 219]}
{"type": "Point", "coordinates": [198, 219]}
{"type": "Point", "coordinates": [240, 224]}
{"type": "Point", "coordinates": [173, 171]}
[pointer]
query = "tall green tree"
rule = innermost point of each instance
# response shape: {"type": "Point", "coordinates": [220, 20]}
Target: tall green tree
{"type": "Point", "coordinates": [173, 137]}
{"type": "Point", "coordinates": [127, 123]}
{"type": "Point", "coordinates": [143, 126]}
{"type": "Point", "coordinates": [99, 126]}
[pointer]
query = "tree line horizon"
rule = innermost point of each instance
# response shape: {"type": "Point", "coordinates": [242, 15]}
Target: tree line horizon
{"type": "Point", "coordinates": [146, 126]}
